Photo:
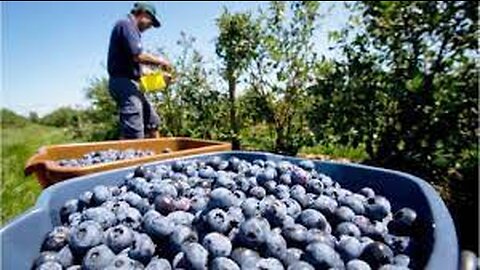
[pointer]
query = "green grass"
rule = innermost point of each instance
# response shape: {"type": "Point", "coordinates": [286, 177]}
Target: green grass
{"type": "Point", "coordinates": [18, 192]}
{"type": "Point", "coordinates": [336, 152]}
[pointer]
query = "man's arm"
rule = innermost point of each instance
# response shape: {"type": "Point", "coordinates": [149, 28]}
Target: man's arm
{"type": "Point", "coordinates": [150, 59]}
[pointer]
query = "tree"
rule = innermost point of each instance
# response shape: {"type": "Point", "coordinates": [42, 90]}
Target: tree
{"type": "Point", "coordinates": [192, 106]}
{"type": "Point", "coordinates": [282, 69]}
{"type": "Point", "coordinates": [407, 88]}
{"type": "Point", "coordinates": [235, 45]}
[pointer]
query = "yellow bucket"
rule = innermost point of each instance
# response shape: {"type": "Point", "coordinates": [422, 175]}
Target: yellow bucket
{"type": "Point", "coordinates": [152, 82]}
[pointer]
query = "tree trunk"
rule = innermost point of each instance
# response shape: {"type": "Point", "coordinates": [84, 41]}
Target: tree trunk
{"type": "Point", "coordinates": [233, 112]}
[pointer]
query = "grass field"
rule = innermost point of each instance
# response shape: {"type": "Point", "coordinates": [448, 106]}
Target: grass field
{"type": "Point", "coordinates": [18, 192]}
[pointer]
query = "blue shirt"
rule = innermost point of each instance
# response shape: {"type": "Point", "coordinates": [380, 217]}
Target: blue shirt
{"type": "Point", "coordinates": [125, 43]}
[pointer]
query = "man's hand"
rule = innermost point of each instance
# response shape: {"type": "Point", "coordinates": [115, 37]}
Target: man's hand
{"type": "Point", "coordinates": [150, 59]}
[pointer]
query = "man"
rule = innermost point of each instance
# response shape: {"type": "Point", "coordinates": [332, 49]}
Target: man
{"type": "Point", "coordinates": [138, 118]}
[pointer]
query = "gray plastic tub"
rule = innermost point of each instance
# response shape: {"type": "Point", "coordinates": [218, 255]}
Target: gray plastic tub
{"type": "Point", "coordinates": [21, 239]}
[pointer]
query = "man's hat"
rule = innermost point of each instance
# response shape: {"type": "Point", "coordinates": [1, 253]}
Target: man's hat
{"type": "Point", "coordinates": [150, 9]}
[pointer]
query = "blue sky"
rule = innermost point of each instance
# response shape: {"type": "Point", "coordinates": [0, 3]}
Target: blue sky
{"type": "Point", "coordinates": [50, 50]}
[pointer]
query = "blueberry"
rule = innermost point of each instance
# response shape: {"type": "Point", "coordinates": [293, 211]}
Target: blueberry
{"type": "Point", "coordinates": [239, 197]}
{"type": "Point", "coordinates": [75, 219]}
{"type": "Point", "coordinates": [85, 236]}
{"type": "Point", "coordinates": [45, 256]}
{"type": "Point", "coordinates": [355, 204]}
{"type": "Point", "coordinates": [314, 186]}
{"type": "Point", "coordinates": [214, 162]}
{"type": "Point", "coordinates": [206, 173]}
{"type": "Point", "coordinates": [349, 248]}
{"type": "Point", "coordinates": [296, 235]}
{"type": "Point", "coordinates": [271, 164]}
{"type": "Point", "coordinates": [282, 192]}
{"type": "Point", "coordinates": [234, 164]}
{"type": "Point", "coordinates": [259, 162]}
{"type": "Point", "coordinates": [85, 199]}
{"type": "Point", "coordinates": [343, 214]}
{"type": "Point", "coordinates": [158, 264]}
{"type": "Point", "coordinates": [270, 186]}
{"type": "Point", "coordinates": [399, 244]}
{"type": "Point", "coordinates": [299, 176]}
{"type": "Point", "coordinates": [347, 228]}
{"type": "Point", "coordinates": [217, 245]}
{"type": "Point", "coordinates": [358, 265]}
{"type": "Point", "coordinates": [50, 265]}
{"type": "Point", "coordinates": [311, 218]}
{"type": "Point", "coordinates": [243, 184]}
{"type": "Point", "coordinates": [101, 194]}
{"type": "Point", "coordinates": [377, 254]}
{"type": "Point", "coordinates": [252, 232]}
{"type": "Point", "coordinates": [377, 208]}
{"type": "Point", "coordinates": [293, 207]}
{"type": "Point", "coordinates": [221, 198]}
{"type": "Point", "coordinates": [98, 257]}
{"type": "Point", "coordinates": [266, 175]}
{"type": "Point", "coordinates": [317, 235]}
{"type": "Point", "coordinates": [276, 246]}
{"type": "Point", "coordinates": [115, 206]}
{"type": "Point", "coordinates": [181, 218]}
{"type": "Point", "coordinates": [198, 203]}
{"type": "Point", "coordinates": [292, 256]}
{"type": "Point", "coordinates": [245, 257]}
{"type": "Point", "coordinates": [130, 217]}
{"type": "Point", "coordinates": [218, 220]}
{"type": "Point", "coordinates": [65, 257]}
{"type": "Point", "coordinates": [223, 165]}
{"type": "Point", "coordinates": [119, 238]}
{"type": "Point", "coordinates": [362, 223]}
{"type": "Point", "coordinates": [179, 262]}
{"type": "Point", "coordinates": [284, 166]}
{"type": "Point", "coordinates": [236, 216]}
{"type": "Point", "coordinates": [222, 263]}
{"type": "Point", "coordinates": [158, 226]}
{"type": "Point", "coordinates": [326, 205]}
{"type": "Point", "coordinates": [123, 262]}
{"type": "Point", "coordinates": [142, 248]}
{"type": "Point", "coordinates": [164, 204]}
{"type": "Point", "coordinates": [70, 207]}
{"type": "Point", "coordinates": [306, 165]}
{"type": "Point", "coordinates": [321, 256]}
{"type": "Point", "coordinates": [275, 213]}
{"type": "Point", "coordinates": [191, 171]}
{"type": "Point", "coordinates": [182, 235]}
{"type": "Point", "coordinates": [401, 260]}
{"type": "Point", "coordinates": [56, 239]}
{"type": "Point", "coordinates": [225, 181]}
{"type": "Point", "coordinates": [403, 221]}
{"type": "Point", "coordinates": [178, 166]}
{"type": "Point", "coordinates": [299, 194]}
{"type": "Point", "coordinates": [285, 178]}
{"type": "Point", "coordinates": [139, 171]}
{"type": "Point", "coordinates": [250, 207]}
{"type": "Point", "coordinates": [257, 192]}
{"type": "Point", "coordinates": [164, 189]}
{"type": "Point", "coordinates": [376, 231]}
{"type": "Point", "coordinates": [101, 215]}
{"type": "Point", "coordinates": [300, 265]}
{"type": "Point", "coordinates": [196, 256]}
{"type": "Point", "coordinates": [269, 264]}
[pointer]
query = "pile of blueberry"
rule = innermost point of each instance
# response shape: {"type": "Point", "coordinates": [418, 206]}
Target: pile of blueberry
{"type": "Point", "coordinates": [110, 155]}
{"type": "Point", "coordinates": [230, 214]}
